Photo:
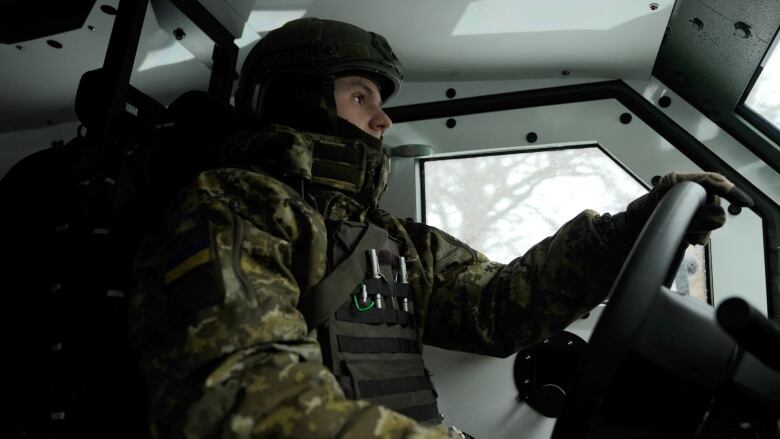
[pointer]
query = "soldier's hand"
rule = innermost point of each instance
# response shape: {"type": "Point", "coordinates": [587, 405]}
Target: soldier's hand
{"type": "Point", "coordinates": [709, 217]}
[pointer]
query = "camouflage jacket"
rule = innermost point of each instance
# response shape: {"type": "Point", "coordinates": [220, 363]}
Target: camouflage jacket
{"type": "Point", "coordinates": [227, 354]}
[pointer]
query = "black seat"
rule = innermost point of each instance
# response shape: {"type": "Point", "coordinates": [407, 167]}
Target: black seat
{"type": "Point", "coordinates": [72, 370]}
{"type": "Point", "coordinates": [139, 120]}
{"type": "Point", "coordinates": [192, 126]}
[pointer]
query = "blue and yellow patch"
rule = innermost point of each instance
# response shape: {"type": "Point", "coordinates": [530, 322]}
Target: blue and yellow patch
{"type": "Point", "coordinates": [191, 249]}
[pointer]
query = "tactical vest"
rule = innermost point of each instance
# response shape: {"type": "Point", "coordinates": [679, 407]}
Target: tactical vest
{"type": "Point", "coordinates": [364, 313]}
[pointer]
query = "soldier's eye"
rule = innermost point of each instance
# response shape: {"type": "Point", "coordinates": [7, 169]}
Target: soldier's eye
{"type": "Point", "coordinates": [358, 98]}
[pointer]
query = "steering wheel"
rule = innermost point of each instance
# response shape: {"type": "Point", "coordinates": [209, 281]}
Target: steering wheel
{"type": "Point", "coordinates": [655, 357]}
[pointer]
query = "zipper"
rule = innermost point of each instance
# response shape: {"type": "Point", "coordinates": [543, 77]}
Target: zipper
{"type": "Point", "coordinates": [238, 236]}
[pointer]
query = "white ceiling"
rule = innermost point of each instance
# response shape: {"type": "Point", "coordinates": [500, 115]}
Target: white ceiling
{"type": "Point", "coordinates": [437, 40]}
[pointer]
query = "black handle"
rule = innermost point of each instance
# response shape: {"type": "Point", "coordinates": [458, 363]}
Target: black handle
{"type": "Point", "coordinates": [751, 330]}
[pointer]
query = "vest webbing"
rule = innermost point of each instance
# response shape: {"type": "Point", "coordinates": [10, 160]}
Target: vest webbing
{"type": "Point", "coordinates": [373, 351]}
{"type": "Point", "coordinates": [328, 296]}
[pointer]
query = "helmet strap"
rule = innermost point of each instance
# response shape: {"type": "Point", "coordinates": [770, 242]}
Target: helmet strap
{"type": "Point", "coordinates": [256, 102]}
{"type": "Point", "coordinates": [328, 93]}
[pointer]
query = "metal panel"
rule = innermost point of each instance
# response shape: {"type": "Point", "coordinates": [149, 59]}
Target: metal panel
{"type": "Point", "coordinates": [708, 56]}
{"type": "Point", "coordinates": [477, 393]}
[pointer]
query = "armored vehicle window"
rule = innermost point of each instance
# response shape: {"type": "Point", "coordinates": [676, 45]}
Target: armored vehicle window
{"type": "Point", "coordinates": [763, 95]}
{"type": "Point", "coordinates": [502, 204]}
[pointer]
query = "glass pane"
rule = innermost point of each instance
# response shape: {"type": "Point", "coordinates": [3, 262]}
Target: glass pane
{"type": "Point", "coordinates": [764, 97]}
{"type": "Point", "coordinates": [692, 275]}
{"type": "Point", "coordinates": [503, 204]}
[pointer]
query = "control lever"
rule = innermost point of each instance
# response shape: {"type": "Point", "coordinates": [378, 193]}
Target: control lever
{"type": "Point", "coordinates": [751, 330]}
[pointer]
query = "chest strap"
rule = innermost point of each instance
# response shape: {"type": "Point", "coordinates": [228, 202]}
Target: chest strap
{"type": "Point", "coordinates": [324, 299]}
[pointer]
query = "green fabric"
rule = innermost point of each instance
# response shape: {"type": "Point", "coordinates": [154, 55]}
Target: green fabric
{"type": "Point", "coordinates": [325, 298]}
{"type": "Point", "coordinates": [248, 365]}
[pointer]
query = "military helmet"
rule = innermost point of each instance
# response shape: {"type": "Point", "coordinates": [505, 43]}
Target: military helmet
{"type": "Point", "coordinates": [320, 48]}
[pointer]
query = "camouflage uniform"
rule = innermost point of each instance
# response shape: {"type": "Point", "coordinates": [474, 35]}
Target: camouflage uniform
{"type": "Point", "coordinates": [226, 352]}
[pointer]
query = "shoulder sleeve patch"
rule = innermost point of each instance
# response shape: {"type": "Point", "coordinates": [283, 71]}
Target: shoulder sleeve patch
{"type": "Point", "coordinates": [191, 249]}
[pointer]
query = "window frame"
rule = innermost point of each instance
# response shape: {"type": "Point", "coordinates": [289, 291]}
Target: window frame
{"type": "Point", "coordinates": [525, 150]}
{"type": "Point", "coordinates": [752, 117]}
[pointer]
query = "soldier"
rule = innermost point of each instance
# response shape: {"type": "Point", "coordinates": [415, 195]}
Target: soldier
{"type": "Point", "coordinates": [278, 300]}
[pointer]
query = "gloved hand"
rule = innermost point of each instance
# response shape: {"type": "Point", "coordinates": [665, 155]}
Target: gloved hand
{"type": "Point", "coordinates": [709, 217]}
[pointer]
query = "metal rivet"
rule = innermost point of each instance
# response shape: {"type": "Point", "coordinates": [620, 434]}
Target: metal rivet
{"type": "Point", "coordinates": [179, 33]}
{"type": "Point", "coordinates": [742, 29]}
{"type": "Point", "coordinates": [531, 137]}
{"type": "Point", "coordinates": [565, 72]}
{"type": "Point", "coordinates": [451, 123]}
{"type": "Point", "coordinates": [653, 6]}
{"type": "Point", "coordinates": [110, 10]}
{"type": "Point", "coordinates": [734, 209]}
{"type": "Point", "coordinates": [625, 118]}
{"type": "Point", "coordinates": [665, 101]}
{"type": "Point", "coordinates": [450, 93]}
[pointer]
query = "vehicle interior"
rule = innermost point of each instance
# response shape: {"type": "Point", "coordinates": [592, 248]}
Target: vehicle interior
{"type": "Point", "coordinates": [513, 118]}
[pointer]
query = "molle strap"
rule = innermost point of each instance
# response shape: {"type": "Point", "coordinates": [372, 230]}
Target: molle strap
{"type": "Point", "coordinates": [385, 288]}
{"type": "Point", "coordinates": [339, 165]}
{"type": "Point", "coordinates": [393, 386]}
{"type": "Point", "coordinates": [377, 345]}
{"type": "Point", "coordinates": [328, 93]}
{"type": "Point", "coordinates": [348, 313]}
{"type": "Point", "coordinates": [335, 290]}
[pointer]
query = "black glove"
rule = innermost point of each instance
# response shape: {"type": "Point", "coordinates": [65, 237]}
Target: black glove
{"type": "Point", "coordinates": [709, 217]}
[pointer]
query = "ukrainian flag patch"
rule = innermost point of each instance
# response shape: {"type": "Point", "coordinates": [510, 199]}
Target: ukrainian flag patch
{"type": "Point", "coordinates": [190, 250]}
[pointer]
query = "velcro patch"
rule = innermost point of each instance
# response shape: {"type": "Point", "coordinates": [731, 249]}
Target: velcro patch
{"type": "Point", "coordinates": [191, 249]}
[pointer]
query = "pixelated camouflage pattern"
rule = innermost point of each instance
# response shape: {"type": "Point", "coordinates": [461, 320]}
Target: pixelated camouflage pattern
{"type": "Point", "coordinates": [469, 303]}
{"type": "Point", "coordinates": [226, 353]}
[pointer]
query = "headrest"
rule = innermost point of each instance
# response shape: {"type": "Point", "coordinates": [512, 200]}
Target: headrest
{"type": "Point", "coordinates": [140, 109]}
{"type": "Point", "coordinates": [200, 109]}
